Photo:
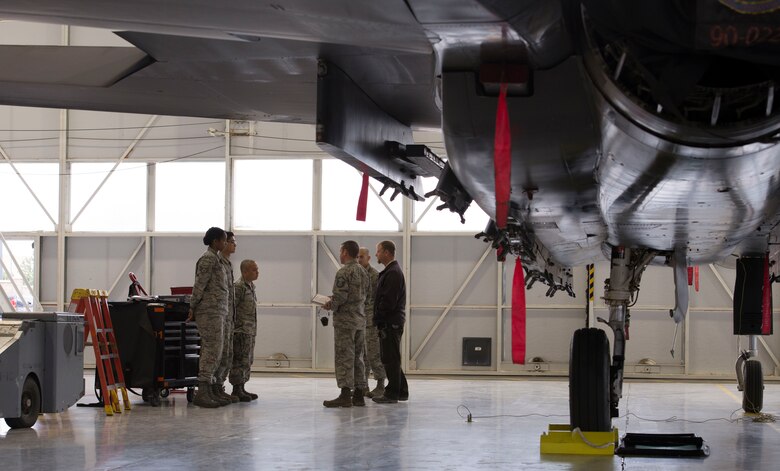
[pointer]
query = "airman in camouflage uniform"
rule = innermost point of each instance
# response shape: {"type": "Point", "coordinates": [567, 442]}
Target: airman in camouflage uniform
{"type": "Point", "coordinates": [245, 330]}
{"type": "Point", "coordinates": [227, 350]}
{"type": "Point", "coordinates": [349, 322]}
{"type": "Point", "coordinates": [372, 358]}
{"type": "Point", "coordinates": [209, 308]}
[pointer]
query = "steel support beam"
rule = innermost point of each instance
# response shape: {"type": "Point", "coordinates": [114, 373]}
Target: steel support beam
{"type": "Point", "coordinates": [387, 207]}
{"type": "Point", "coordinates": [126, 266]}
{"type": "Point", "coordinates": [313, 291]}
{"type": "Point", "coordinates": [330, 255]}
{"type": "Point", "coordinates": [228, 180]}
{"type": "Point", "coordinates": [64, 195]}
{"type": "Point", "coordinates": [430, 205]}
{"type": "Point", "coordinates": [407, 209]}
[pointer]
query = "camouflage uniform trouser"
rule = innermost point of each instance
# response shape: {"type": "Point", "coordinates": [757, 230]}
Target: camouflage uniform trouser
{"type": "Point", "coordinates": [243, 354]}
{"type": "Point", "coordinates": [227, 351]}
{"type": "Point", "coordinates": [211, 330]}
{"type": "Point", "coordinates": [349, 346]}
{"type": "Point", "coordinates": [373, 359]}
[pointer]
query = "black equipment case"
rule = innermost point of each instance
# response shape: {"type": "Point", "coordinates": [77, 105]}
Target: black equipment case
{"type": "Point", "coordinates": [158, 349]}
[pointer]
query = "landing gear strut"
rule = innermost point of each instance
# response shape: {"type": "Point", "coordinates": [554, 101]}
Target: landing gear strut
{"type": "Point", "coordinates": [752, 317]}
{"type": "Point", "coordinates": [595, 385]}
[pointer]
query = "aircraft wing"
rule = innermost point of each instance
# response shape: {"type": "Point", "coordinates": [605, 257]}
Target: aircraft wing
{"type": "Point", "coordinates": [210, 62]}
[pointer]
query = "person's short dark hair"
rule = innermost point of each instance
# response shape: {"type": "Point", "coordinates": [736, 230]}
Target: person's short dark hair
{"type": "Point", "coordinates": [351, 247]}
{"type": "Point", "coordinates": [389, 246]}
{"type": "Point", "coordinates": [245, 264]}
{"type": "Point", "coordinates": [229, 234]}
{"type": "Point", "coordinates": [214, 233]}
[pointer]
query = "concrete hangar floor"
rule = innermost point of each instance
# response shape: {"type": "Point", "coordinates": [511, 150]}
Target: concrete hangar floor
{"type": "Point", "coordinates": [288, 428]}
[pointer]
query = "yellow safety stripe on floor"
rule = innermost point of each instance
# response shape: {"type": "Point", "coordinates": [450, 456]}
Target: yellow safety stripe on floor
{"type": "Point", "coordinates": [738, 400]}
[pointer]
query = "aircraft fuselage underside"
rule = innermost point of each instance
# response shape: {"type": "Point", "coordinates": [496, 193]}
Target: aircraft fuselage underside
{"type": "Point", "coordinates": [585, 173]}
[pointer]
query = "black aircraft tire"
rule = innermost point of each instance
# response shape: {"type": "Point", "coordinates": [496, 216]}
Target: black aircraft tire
{"type": "Point", "coordinates": [589, 381]}
{"type": "Point", "coordinates": [753, 393]}
{"type": "Point", "coordinates": [31, 405]}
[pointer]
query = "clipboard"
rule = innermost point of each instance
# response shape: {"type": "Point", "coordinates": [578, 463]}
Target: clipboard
{"type": "Point", "coordinates": [320, 299]}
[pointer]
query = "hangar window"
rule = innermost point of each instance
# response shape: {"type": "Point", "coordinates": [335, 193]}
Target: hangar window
{"type": "Point", "coordinates": [189, 196]}
{"type": "Point", "coordinates": [106, 200]}
{"type": "Point", "coordinates": [272, 195]}
{"type": "Point", "coordinates": [17, 273]}
{"type": "Point", "coordinates": [341, 185]}
{"type": "Point", "coordinates": [431, 220]}
{"type": "Point", "coordinates": [21, 211]}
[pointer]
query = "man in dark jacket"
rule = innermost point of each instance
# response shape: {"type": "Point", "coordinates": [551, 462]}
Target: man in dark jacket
{"type": "Point", "coordinates": [389, 318]}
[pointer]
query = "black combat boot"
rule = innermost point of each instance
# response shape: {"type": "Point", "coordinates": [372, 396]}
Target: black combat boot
{"type": "Point", "coordinates": [252, 395]}
{"type": "Point", "coordinates": [379, 390]}
{"type": "Point", "coordinates": [220, 396]}
{"type": "Point", "coordinates": [357, 398]}
{"type": "Point", "coordinates": [344, 399]}
{"type": "Point", "coordinates": [238, 391]}
{"type": "Point", "coordinates": [203, 396]}
{"type": "Point", "coordinates": [224, 394]}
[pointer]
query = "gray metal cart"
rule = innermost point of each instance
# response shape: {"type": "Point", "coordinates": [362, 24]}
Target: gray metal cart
{"type": "Point", "coordinates": [41, 364]}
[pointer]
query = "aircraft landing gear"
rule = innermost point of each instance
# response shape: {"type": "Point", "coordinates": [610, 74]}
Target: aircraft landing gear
{"type": "Point", "coordinates": [595, 385]}
{"type": "Point", "coordinates": [750, 379]}
{"type": "Point", "coordinates": [589, 374]}
{"type": "Point", "coordinates": [752, 317]}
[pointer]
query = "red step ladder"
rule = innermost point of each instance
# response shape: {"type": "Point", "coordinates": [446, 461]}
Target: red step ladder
{"type": "Point", "coordinates": [93, 304]}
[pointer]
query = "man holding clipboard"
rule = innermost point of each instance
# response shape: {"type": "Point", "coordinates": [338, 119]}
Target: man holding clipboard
{"type": "Point", "coordinates": [349, 323]}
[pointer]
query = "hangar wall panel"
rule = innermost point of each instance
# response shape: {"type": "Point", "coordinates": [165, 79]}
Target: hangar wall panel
{"type": "Point", "coordinates": [285, 267]}
{"type": "Point", "coordinates": [707, 329]}
{"type": "Point", "coordinates": [445, 263]}
{"type": "Point", "coordinates": [444, 351]}
{"type": "Point", "coordinates": [173, 262]}
{"type": "Point", "coordinates": [96, 263]}
{"type": "Point", "coordinates": [287, 331]}
{"type": "Point", "coordinates": [548, 334]}
{"type": "Point", "coordinates": [326, 352]}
